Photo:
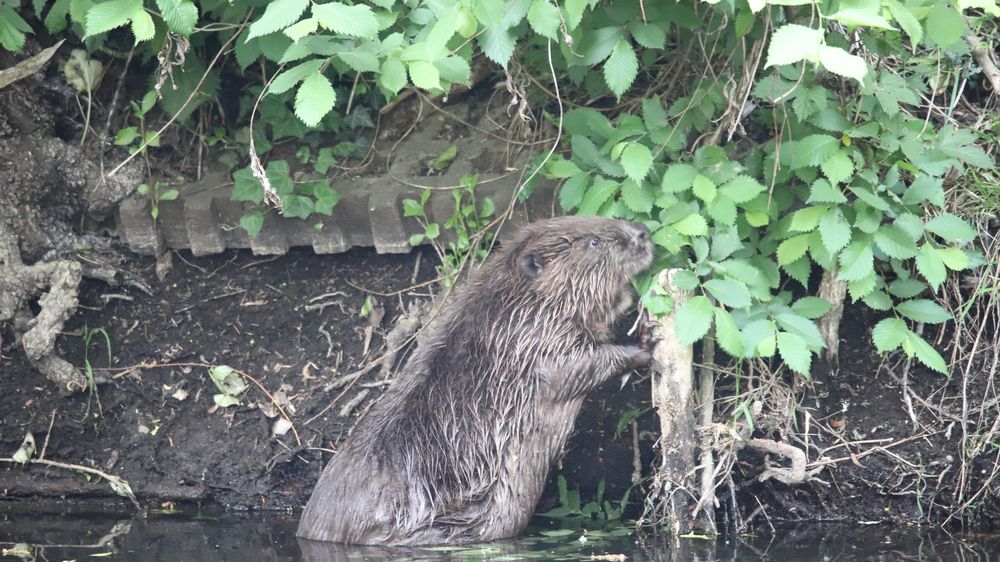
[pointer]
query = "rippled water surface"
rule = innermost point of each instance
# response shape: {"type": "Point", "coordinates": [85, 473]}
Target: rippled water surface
{"type": "Point", "coordinates": [267, 537]}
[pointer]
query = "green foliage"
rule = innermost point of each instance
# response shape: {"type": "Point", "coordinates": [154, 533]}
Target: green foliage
{"type": "Point", "coordinates": [571, 506]}
{"type": "Point", "coordinates": [300, 199]}
{"type": "Point", "coordinates": [159, 192]}
{"type": "Point", "coordinates": [230, 384]}
{"type": "Point", "coordinates": [467, 223]}
{"type": "Point", "coordinates": [88, 369]}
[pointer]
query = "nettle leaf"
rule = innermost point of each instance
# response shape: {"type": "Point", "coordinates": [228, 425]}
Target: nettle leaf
{"type": "Point", "coordinates": [925, 188]}
{"type": "Point", "coordinates": [813, 150]}
{"type": "Point", "coordinates": [278, 15]}
{"type": "Point", "coordinates": [951, 228]}
{"type": "Point", "coordinates": [727, 335]}
{"type": "Point", "coordinates": [923, 310]}
{"type": "Point", "coordinates": [895, 242]}
{"type": "Point", "coordinates": [838, 168]}
{"type": "Point", "coordinates": [889, 334]}
{"type": "Point", "coordinates": [693, 319]}
{"type": "Point", "coordinates": [649, 35]}
{"type": "Point", "coordinates": [794, 353]}
{"type": "Point", "coordinates": [180, 15]}
{"type": "Point", "coordinates": [856, 261]}
{"type": "Point", "coordinates": [742, 189]}
{"type": "Point", "coordinates": [792, 249]}
{"type": "Point", "coordinates": [636, 197]}
{"type": "Point", "coordinates": [692, 225]}
{"type": "Point", "coordinates": [314, 99]}
{"type": "Point", "coordinates": [924, 352]}
{"type": "Point", "coordinates": [792, 43]}
{"type": "Point", "coordinates": [822, 192]}
{"type": "Point", "coordinates": [839, 61]}
{"type": "Point", "coordinates": [357, 20]}
{"type": "Point", "coordinates": [678, 177]}
{"type": "Point", "coordinates": [834, 230]}
{"type": "Point", "coordinates": [424, 75]}
{"type": "Point", "coordinates": [730, 293]}
{"type": "Point", "coordinates": [945, 26]}
{"type": "Point", "coordinates": [543, 17]}
{"type": "Point", "coordinates": [392, 75]}
{"type": "Point", "coordinates": [497, 45]}
{"type": "Point", "coordinates": [597, 195]}
{"type": "Point", "coordinates": [110, 15]}
{"type": "Point", "coordinates": [637, 160]}
{"type": "Point", "coordinates": [284, 81]}
{"type": "Point", "coordinates": [930, 265]}
{"type": "Point", "coordinates": [954, 258]}
{"type": "Point", "coordinates": [704, 189]}
{"type": "Point", "coordinates": [806, 219]}
{"type": "Point", "coordinates": [811, 307]}
{"type": "Point", "coordinates": [905, 18]}
{"type": "Point", "coordinates": [571, 192]}
{"type": "Point", "coordinates": [621, 68]}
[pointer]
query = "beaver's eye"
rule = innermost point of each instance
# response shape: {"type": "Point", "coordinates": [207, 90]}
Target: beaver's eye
{"type": "Point", "coordinates": [594, 242]}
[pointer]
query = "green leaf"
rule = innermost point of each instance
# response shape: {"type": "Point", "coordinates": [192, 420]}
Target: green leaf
{"type": "Point", "coordinates": [923, 310]}
{"type": "Point", "coordinates": [905, 18]}
{"type": "Point", "coordinates": [925, 353]}
{"type": "Point", "coordinates": [454, 69]}
{"type": "Point", "coordinates": [559, 168]}
{"type": "Point", "coordinates": [895, 242]}
{"type": "Point", "coordinates": [834, 230]}
{"type": "Point", "coordinates": [432, 231]}
{"type": "Point", "coordinates": [856, 261]}
{"type": "Point", "coordinates": [811, 307]}
{"type": "Point", "coordinates": [357, 20]}
{"type": "Point", "coordinates": [55, 19]}
{"type": "Point", "coordinates": [296, 206]}
{"type": "Point", "coordinates": [758, 338]}
{"type": "Point", "coordinates": [180, 15]}
{"type": "Point", "coordinates": [727, 334]}
{"type": "Point", "coordinates": [792, 249]}
{"type": "Point", "coordinates": [621, 68]}
{"type": "Point", "coordinates": [861, 13]}
{"type": "Point", "coordinates": [636, 197]}
{"type": "Point", "coordinates": [930, 265]}
{"type": "Point", "coordinates": [301, 29]}
{"type": "Point", "coordinates": [954, 258]}
{"type": "Point", "coordinates": [543, 17]}
{"type": "Point", "coordinates": [730, 293]}
{"type": "Point", "coordinates": [649, 35]}
{"type": "Point", "coordinates": [126, 135]}
{"type": "Point", "coordinates": [597, 195]}
{"type": "Point", "coordinates": [678, 177]}
{"type": "Point", "coordinates": [110, 15]}
{"type": "Point", "coordinates": [906, 288]}
{"type": "Point", "coordinates": [361, 61]}
{"type": "Point", "coordinates": [571, 192]}
{"type": "Point", "coordinates": [742, 189]}
{"type": "Point", "coordinates": [424, 75]}
{"type": "Point", "coordinates": [889, 334]}
{"type": "Point", "coordinates": [802, 327]}
{"type": "Point", "coordinates": [637, 160]}
{"type": "Point", "coordinates": [822, 192]}
{"type": "Point", "coordinates": [143, 27]}
{"type": "Point", "coordinates": [246, 187]}
{"type": "Point", "coordinates": [838, 168]}
{"type": "Point", "coordinates": [693, 319]}
{"type": "Point", "coordinates": [278, 15]}
{"type": "Point", "coordinates": [284, 81]}
{"type": "Point", "coordinates": [497, 45]}
{"type": "Point", "coordinates": [704, 189]}
{"type": "Point", "coordinates": [692, 225]}
{"type": "Point", "coordinates": [326, 198]}
{"type": "Point", "coordinates": [794, 353]}
{"type": "Point", "coordinates": [813, 150]}
{"type": "Point", "coordinates": [877, 300]}
{"type": "Point", "coordinates": [792, 43]}
{"type": "Point", "coordinates": [392, 75]}
{"type": "Point", "coordinates": [951, 229]}
{"type": "Point", "coordinates": [807, 219]}
{"type": "Point", "coordinates": [945, 25]}
{"type": "Point", "coordinates": [252, 223]}
{"type": "Point", "coordinates": [314, 99]}
{"type": "Point", "coordinates": [839, 61]}
{"type": "Point", "coordinates": [925, 188]}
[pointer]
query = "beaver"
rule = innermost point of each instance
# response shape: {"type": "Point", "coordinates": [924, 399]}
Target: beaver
{"type": "Point", "coordinates": [459, 447]}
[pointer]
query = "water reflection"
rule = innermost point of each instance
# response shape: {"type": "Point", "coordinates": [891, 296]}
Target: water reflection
{"type": "Point", "coordinates": [267, 537]}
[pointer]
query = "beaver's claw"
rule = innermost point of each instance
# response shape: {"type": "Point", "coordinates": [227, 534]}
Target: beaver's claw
{"type": "Point", "coordinates": [647, 339]}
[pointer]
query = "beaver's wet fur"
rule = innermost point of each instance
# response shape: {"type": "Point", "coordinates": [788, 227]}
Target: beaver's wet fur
{"type": "Point", "coordinates": [459, 447]}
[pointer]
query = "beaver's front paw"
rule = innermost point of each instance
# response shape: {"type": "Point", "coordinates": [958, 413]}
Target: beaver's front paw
{"type": "Point", "coordinates": [638, 357]}
{"type": "Point", "coordinates": [647, 339]}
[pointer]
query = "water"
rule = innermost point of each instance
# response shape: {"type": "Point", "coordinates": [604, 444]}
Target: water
{"type": "Point", "coordinates": [267, 537]}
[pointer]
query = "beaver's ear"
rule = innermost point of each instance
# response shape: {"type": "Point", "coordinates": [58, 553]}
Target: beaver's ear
{"type": "Point", "coordinates": [532, 264]}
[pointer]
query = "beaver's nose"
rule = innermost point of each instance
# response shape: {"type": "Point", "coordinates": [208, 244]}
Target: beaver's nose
{"type": "Point", "coordinates": [640, 234]}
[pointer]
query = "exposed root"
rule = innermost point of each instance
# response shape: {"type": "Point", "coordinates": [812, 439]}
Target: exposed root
{"type": "Point", "coordinates": [791, 476]}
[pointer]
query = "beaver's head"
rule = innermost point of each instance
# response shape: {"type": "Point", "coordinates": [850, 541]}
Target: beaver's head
{"type": "Point", "coordinates": [576, 266]}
